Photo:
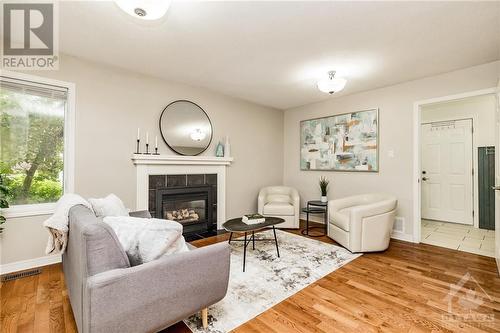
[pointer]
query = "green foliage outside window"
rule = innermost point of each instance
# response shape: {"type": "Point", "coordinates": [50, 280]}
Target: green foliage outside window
{"type": "Point", "coordinates": [4, 191]}
{"type": "Point", "coordinates": [31, 146]}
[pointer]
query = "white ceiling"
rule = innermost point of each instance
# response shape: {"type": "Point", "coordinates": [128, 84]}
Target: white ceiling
{"type": "Point", "coordinates": [272, 53]}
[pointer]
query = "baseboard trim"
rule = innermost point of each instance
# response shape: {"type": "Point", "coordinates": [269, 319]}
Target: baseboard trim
{"type": "Point", "coordinates": [498, 265]}
{"type": "Point", "coordinates": [402, 236]}
{"type": "Point", "coordinates": [28, 264]}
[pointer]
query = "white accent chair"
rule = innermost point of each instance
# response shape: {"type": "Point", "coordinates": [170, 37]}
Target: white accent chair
{"type": "Point", "coordinates": [362, 223]}
{"type": "Point", "coordinates": [280, 201]}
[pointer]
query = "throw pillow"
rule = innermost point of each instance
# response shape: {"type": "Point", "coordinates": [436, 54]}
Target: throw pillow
{"type": "Point", "coordinates": [109, 206]}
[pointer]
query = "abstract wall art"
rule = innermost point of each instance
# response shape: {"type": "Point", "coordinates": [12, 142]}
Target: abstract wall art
{"type": "Point", "coordinates": [344, 142]}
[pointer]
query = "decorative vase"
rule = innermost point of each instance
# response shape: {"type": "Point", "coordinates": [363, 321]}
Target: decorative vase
{"type": "Point", "coordinates": [219, 151]}
{"type": "Point", "coordinates": [324, 198]}
{"type": "Point", "coordinates": [227, 148]}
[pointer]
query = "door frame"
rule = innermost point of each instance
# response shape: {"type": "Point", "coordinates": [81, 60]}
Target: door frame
{"type": "Point", "coordinates": [475, 202]}
{"type": "Point", "coordinates": [417, 160]}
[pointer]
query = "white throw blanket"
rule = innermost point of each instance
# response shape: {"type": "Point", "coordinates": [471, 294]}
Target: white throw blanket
{"type": "Point", "coordinates": [142, 239]}
{"type": "Point", "coordinates": [147, 239]}
{"type": "Point", "coordinates": [57, 224]}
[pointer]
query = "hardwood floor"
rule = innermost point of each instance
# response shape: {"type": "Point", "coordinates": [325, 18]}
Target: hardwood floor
{"type": "Point", "coordinates": [403, 289]}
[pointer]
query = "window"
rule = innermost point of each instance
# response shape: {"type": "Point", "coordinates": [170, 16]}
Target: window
{"type": "Point", "coordinates": [33, 140]}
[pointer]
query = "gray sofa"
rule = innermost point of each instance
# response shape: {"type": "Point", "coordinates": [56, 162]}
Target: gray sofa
{"type": "Point", "coordinates": [108, 295]}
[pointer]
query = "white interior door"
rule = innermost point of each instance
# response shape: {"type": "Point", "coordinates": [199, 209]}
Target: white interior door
{"type": "Point", "coordinates": [447, 179]}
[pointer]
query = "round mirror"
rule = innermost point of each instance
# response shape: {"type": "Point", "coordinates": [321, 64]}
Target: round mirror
{"type": "Point", "coordinates": [185, 128]}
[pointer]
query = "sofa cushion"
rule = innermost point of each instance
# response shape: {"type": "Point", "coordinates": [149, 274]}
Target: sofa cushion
{"type": "Point", "coordinates": [277, 197]}
{"type": "Point", "coordinates": [278, 208]}
{"type": "Point", "coordinates": [341, 218]}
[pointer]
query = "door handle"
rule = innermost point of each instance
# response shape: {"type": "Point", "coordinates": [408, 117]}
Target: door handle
{"type": "Point", "coordinates": [496, 188]}
{"type": "Point", "coordinates": [425, 178]}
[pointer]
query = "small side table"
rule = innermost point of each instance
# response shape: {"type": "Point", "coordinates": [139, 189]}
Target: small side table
{"type": "Point", "coordinates": [316, 207]}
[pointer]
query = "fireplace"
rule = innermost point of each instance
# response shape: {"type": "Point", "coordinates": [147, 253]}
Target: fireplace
{"type": "Point", "coordinates": [190, 200]}
{"type": "Point", "coordinates": [190, 206]}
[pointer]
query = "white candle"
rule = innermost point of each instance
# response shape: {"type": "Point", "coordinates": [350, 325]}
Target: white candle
{"type": "Point", "coordinates": [138, 133]}
{"type": "Point", "coordinates": [156, 141]}
{"type": "Point", "coordinates": [147, 137]}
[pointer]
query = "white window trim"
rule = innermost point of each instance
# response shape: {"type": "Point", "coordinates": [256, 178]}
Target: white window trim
{"type": "Point", "coordinates": [17, 211]}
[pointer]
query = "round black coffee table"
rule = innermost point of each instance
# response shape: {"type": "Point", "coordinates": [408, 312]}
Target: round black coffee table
{"type": "Point", "coordinates": [237, 225]}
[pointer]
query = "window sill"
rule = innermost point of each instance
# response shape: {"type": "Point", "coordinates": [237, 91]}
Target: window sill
{"type": "Point", "coordinates": [20, 211]}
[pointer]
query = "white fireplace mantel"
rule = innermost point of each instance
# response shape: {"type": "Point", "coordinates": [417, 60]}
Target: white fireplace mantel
{"type": "Point", "coordinates": [180, 160]}
{"type": "Point", "coordinates": [147, 165]}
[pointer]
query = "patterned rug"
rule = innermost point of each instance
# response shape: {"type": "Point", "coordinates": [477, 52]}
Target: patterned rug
{"type": "Point", "coordinates": [268, 279]}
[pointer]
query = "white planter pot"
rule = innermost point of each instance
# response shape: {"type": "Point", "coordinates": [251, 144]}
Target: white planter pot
{"type": "Point", "coordinates": [324, 198]}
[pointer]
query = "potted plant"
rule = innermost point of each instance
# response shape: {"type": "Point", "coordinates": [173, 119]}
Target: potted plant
{"type": "Point", "coordinates": [323, 186]}
{"type": "Point", "coordinates": [3, 201]}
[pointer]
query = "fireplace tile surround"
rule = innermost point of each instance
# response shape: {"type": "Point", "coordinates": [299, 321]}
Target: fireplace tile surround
{"type": "Point", "coordinates": [159, 182]}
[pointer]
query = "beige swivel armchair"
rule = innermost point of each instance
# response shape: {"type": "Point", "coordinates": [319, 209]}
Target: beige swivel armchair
{"type": "Point", "coordinates": [362, 223]}
{"type": "Point", "coordinates": [280, 201]}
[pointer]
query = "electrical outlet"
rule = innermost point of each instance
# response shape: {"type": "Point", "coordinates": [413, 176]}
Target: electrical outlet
{"type": "Point", "coordinates": [399, 224]}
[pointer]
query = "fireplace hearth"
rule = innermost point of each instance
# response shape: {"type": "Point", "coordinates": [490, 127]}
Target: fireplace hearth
{"type": "Point", "coordinates": [190, 200]}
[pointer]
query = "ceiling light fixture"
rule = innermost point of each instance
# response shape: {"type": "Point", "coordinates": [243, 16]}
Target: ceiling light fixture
{"type": "Point", "coordinates": [198, 135]}
{"type": "Point", "coordinates": [144, 9]}
{"type": "Point", "coordinates": [332, 84]}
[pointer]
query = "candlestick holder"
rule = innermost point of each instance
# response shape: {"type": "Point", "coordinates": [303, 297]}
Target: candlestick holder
{"type": "Point", "coordinates": [147, 149]}
{"type": "Point", "coordinates": [156, 151]}
{"type": "Point", "coordinates": [137, 150]}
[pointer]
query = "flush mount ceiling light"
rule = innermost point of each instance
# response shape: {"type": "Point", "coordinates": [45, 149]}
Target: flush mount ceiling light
{"type": "Point", "coordinates": [144, 9]}
{"type": "Point", "coordinates": [198, 135]}
{"type": "Point", "coordinates": [332, 84]}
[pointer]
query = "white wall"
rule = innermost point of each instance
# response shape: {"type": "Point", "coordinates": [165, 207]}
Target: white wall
{"type": "Point", "coordinates": [396, 105]}
{"type": "Point", "coordinates": [111, 103]}
{"type": "Point", "coordinates": [481, 109]}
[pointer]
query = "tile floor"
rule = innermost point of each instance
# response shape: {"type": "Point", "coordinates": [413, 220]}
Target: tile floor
{"type": "Point", "coordinates": [459, 237]}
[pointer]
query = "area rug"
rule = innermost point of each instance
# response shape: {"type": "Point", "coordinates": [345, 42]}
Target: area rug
{"type": "Point", "coordinates": [268, 279]}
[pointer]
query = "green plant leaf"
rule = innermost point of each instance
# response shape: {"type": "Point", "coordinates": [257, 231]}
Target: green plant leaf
{"type": "Point", "coordinates": [4, 190]}
{"type": "Point", "coordinates": [4, 203]}
{"type": "Point", "coordinates": [323, 185]}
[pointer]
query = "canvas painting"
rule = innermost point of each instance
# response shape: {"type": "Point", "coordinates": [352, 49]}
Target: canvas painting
{"type": "Point", "coordinates": [346, 142]}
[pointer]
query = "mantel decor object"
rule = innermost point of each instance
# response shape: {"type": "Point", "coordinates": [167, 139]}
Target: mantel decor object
{"type": "Point", "coordinates": [219, 151]}
{"type": "Point", "coordinates": [147, 144]}
{"type": "Point", "coordinates": [156, 146]}
{"type": "Point", "coordinates": [138, 148]}
{"type": "Point", "coordinates": [227, 148]}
